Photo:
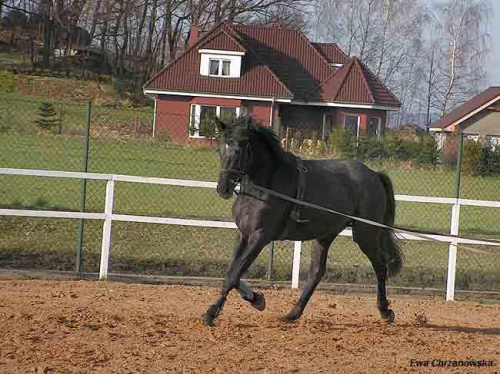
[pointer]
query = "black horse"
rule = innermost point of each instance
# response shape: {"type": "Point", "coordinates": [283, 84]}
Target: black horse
{"type": "Point", "coordinates": [252, 156]}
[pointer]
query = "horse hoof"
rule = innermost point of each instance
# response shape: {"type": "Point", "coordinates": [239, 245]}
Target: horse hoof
{"type": "Point", "coordinates": [388, 316]}
{"type": "Point", "coordinates": [207, 319]}
{"type": "Point", "coordinates": [291, 317]}
{"type": "Point", "coordinates": [258, 302]}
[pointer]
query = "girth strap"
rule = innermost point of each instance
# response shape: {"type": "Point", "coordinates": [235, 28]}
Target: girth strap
{"type": "Point", "coordinates": [301, 189]}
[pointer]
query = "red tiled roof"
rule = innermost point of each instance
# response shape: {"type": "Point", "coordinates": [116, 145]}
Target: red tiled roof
{"type": "Point", "coordinates": [354, 83]}
{"type": "Point", "coordinates": [289, 55]}
{"type": "Point", "coordinates": [468, 107]}
{"type": "Point", "coordinates": [332, 53]}
{"type": "Point", "coordinates": [279, 63]}
{"type": "Point", "coordinates": [222, 41]}
{"type": "Point", "coordinates": [184, 75]}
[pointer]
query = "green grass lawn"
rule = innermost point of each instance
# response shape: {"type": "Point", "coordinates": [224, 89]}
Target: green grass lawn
{"type": "Point", "coordinates": [19, 112]}
{"type": "Point", "coordinates": [15, 58]}
{"type": "Point", "coordinates": [158, 249]}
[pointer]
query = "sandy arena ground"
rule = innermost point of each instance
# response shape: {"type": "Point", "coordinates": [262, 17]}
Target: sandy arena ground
{"type": "Point", "coordinates": [101, 327]}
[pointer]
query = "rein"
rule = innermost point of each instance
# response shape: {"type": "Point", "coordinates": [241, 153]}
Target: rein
{"type": "Point", "coordinates": [418, 233]}
{"type": "Point", "coordinates": [425, 235]}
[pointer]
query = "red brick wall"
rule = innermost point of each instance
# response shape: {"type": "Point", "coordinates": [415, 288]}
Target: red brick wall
{"type": "Point", "coordinates": [173, 114]}
{"type": "Point", "coordinates": [172, 117]}
{"type": "Point", "coordinates": [260, 111]}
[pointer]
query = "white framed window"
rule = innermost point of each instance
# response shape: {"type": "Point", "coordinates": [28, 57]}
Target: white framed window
{"type": "Point", "coordinates": [374, 127]}
{"type": "Point", "coordinates": [202, 124]}
{"type": "Point", "coordinates": [351, 123]}
{"type": "Point", "coordinates": [219, 67]}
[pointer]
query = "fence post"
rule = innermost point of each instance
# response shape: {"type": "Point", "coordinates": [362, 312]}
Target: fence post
{"type": "Point", "coordinates": [83, 191]}
{"type": "Point", "coordinates": [458, 172]}
{"type": "Point", "coordinates": [455, 223]}
{"type": "Point", "coordinates": [296, 264]}
{"type": "Point", "coordinates": [452, 253]}
{"type": "Point", "coordinates": [106, 231]}
{"type": "Point", "coordinates": [270, 269]}
{"type": "Point", "coordinates": [154, 118]}
{"type": "Point", "coordinates": [271, 262]}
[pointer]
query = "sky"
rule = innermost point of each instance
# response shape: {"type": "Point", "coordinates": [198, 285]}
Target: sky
{"type": "Point", "coordinates": [494, 61]}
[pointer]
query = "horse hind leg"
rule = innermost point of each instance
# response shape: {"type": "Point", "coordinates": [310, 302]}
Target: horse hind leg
{"type": "Point", "coordinates": [316, 271]}
{"type": "Point", "coordinates": [369, 240]}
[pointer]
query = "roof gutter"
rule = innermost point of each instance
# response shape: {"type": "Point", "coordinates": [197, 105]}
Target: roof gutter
{"type": "Point", "coordinates": [198, 94]}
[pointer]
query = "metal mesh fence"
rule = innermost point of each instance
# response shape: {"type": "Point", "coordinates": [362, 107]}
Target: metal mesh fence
{"type": "Point", "coordinates": [36, 135]}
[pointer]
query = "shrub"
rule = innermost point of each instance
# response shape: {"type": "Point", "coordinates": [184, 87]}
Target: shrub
{"type": "Point", "coordinates": [472, 157]}
{"type": "Point", "coordinates": [7, 82]}
{"type": "Point", "coordinates": [164, 138]}
{"type": "Point", "coordinates": [208, 128]}
{"type": "Point", "coordinates": [371, 149]}
{"type": "Point", "coordinates": [400, 149]}
{"type": "Point", "coordinates": [428, 152]}
{"type": "Point", "coordinates": [47, 118]}
{"type": "Point", "coordinates": [344, 143]}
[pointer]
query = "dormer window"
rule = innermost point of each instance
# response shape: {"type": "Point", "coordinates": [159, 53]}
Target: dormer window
{"type": "Point", "coordinates": [220, 67]}
{"type": "Point", "coordinates": [218, 63]}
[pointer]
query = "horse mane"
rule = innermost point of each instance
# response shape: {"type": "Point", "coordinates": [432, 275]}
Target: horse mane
{"type": "Point", "coordinates": [265, 134]}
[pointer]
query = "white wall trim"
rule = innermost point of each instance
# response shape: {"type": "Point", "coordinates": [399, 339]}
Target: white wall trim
{"type": "Point", "coordinates": [198, 94]}
{"type": "Point", "coordinates": [270, 99]}
{"type": "Point", "coordinates": [221, 52]}
{"type": "Point", "coordinates": [345, 105]}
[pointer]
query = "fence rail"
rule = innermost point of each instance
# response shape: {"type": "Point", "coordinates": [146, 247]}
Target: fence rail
{"type": "Point", "coordinates": [108, 216]}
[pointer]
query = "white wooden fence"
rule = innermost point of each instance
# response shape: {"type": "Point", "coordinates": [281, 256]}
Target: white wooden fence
{"type": "Point", "coordinates": [108, 216]}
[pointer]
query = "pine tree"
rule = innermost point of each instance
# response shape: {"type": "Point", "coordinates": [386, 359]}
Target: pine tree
{"type": "Point", "coordinates": [46, 116]}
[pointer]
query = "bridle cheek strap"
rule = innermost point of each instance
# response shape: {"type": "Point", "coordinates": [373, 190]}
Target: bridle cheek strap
{"type": "Point", "coordinates": [242, 170]}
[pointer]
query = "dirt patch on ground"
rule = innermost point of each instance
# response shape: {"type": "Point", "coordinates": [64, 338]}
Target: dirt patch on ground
{"type": "Point", "coordinates": [101, 327]}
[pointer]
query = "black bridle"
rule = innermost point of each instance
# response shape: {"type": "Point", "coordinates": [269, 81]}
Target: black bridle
{"type": "Point", "coordinates": [242, 168]}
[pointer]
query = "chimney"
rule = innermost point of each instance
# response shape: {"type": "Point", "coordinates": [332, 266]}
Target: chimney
{"type": "Point", "coordinates": [193, 35]}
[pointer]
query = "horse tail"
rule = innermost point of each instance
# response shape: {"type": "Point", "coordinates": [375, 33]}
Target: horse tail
{"type": "Point", "coordinates": [391, 250]}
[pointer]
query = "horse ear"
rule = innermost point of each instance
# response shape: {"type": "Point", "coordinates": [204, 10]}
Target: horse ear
{"type": "Point", "coordinates": [221, 125]}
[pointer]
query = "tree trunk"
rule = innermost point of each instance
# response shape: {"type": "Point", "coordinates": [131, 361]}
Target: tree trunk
{"type": "Point", "coordinates": [152, 24]}
{"type": "Point", "coordinates": [95, 17]}
{"type": "Point", "coordinates": [46, 34]}
{"type": "Point", "coordinates": [141, 27]}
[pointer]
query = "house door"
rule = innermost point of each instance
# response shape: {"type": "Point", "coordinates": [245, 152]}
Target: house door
{"type": "Point", "coordinates": [327, 126]}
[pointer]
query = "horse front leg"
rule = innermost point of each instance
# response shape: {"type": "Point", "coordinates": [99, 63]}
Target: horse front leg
{"type": "Point", "coordinates": [257, 300]}
{"type": "Point", "coordinates": [245, 255]}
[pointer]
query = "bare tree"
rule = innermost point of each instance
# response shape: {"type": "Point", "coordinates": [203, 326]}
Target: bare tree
{"type": "Point", "coordinates": [462, 43]}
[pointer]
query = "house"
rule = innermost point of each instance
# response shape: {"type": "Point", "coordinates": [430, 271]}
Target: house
{"type": "Point", "coordinates": [478, 119]}
{"type": "Point", "coordinates": [272, 74]}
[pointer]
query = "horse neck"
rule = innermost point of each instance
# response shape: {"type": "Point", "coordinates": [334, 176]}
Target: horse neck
{"type": "Point", "coordinates": [265, 164]}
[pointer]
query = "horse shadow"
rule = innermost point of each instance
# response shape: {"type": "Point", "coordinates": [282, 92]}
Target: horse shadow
{"type": "Point", "coordinates": [471, 330]}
